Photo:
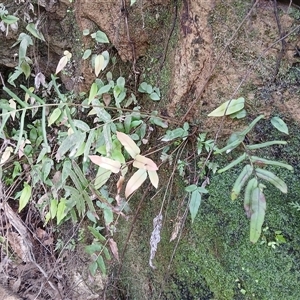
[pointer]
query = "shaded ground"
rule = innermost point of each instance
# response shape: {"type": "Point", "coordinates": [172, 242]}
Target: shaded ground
{"type": "Point", "coordinates": [200, 53]}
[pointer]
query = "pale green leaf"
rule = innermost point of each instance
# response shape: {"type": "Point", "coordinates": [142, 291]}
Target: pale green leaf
{"type": "Point", "coordinates": [87, 53]}
{"type": "Point", "coordinates": [240, 181]}
{"type": "Point", "coordinates": [194, 204]}
{"type": "Point", "coordinates": [25, 196]}
{"type": "Point", "coordinates": [266, 144]}
{"type": "Point", "coordinates": [228, 108]}
{"type": "Point", "coordinates": [191, 188]}
{"type": "Point", "coordinates": [100, 37]}
{"type": "Point", "coordinates": [272, 178]}
{"type": "Point", "coordinates": [279, 124]}
{"type": "Point", "coordinates": [233, 163]}
{"type": "Point", "coordinates": [259, 160]}
{"type": "Point", "coordinates": [31, 27]}
{"type": "Point", "coordinates": [132, 2]}
{"type": "Point", "coordinates": [9, 19]}
{"type": "Point", "coordinates": [54, 116]}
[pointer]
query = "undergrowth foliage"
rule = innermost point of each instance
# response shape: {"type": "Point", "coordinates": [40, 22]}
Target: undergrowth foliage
{"type": "Point", "coordinates": [75, 149]}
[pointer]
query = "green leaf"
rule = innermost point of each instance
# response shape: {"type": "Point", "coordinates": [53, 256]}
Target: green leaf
{"type": "Point", "coordinates": [25, 196]}
{"type": "Point", "coordinates": [191, 188]}
{"type": "Point", "coordinates": [174, 134]}
{"type": "Point", "coordinates": [194, 204]}
{"type": "Point", "coordinates": [132, 2]}
{"type": "Point", "coordinates": [259, 160]}
{"type": "Point", "coordinates": [61, 213]}
{"type": "Point", "coordinates": [101, 264]}
{"type": "Point", "coordinates": [279, 124]}
{"type": "Point", "coordinates": [235, 140]}
{"type": "Point", "coordinates": [272, 178]}
{"type": "Point", "coordinates": [91, 216]}
{"type": "Point", "coordinates": [9, 19]}
{"type": "Point", "coordinates": [31, 27]}
{"type": "Point", "coordinates": [258, 209]}
{"type": "Point", "coordinates": [239, 114]}
{"type": "Point", "coordinates": [93, 268]}
{"type": "Point", "coordinates": [54, 116]}
{"type": "Point", "coordinates": [266, 144]}
{"type": "Point", "coordinates": [26, 68]}
{"type": "Point", "coordinates": [95, 232]}
{"type": "Point", "coordinates": [252, 124]}
{"type": "Point", "coordinates": [93, 92]}
{"type": "Point", "coordinates": [240, 181]}
{"type": "Point", "coordinates": [233, 163]}
{"type": "Point", "coordinates": [100, 37]}
{"type": "Point", "coordinates": [228, 108]}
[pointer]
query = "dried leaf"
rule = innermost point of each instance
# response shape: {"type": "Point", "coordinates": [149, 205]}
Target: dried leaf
{"type": "Point", "coordinates": [142, 162]}
{"type": "Point", "coordinates": [153, 178]}
{"type": "Point", "coordinates": [61, 64]}
{"type": "Point", "coordinates": [176, 229]}
{"type": "Point", "coordinates": [114, 248]}
{"type": "Point", "coordinates": [155, 238]}
{"type": "Point", "coordinates": [135, 182]}
{"type": "Point", "coordinates": [129, 145]}
{"type": "Point", "coordinates": [106, 163]}
{"type": "Point", "coordinates": [5, 156]}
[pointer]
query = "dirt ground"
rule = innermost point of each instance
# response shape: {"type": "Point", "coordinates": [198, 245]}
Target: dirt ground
{"type": "Point", "coordinates": [201, 53]}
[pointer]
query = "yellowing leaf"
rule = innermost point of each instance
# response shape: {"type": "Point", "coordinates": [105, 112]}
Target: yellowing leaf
{"type": "Point", "coordinates": [106, 163]}
{"type": "Point", "coordinates": [61, 64]}
{"type": "Point", "coordinates": [61, 210]}
{"type": "Point", "coordinates": [5, 156]}
{"type": "Point", "coordinates": [129, 145]}
{"type": "Point", "coordinates": [228, 108]}
{"type": "Point", "coordinates": [135, 182]}
{"type": "Point", "coordinates": [142, 162]}
{"type": "Point", "coordinates": [99, 62]}
{"type": "Point", "coordinates": [13, 105]}
{"type": "Point", "coordinates": [25, 196]}
{"type": "Point", "coordinates": [153, 178]}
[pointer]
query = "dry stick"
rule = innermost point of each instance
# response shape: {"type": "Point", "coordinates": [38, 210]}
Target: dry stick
{"type": "Point", "coordinates": [218, 60]}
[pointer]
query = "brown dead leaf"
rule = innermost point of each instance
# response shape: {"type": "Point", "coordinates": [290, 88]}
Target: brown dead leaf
{"type": "Point", "coordinates": [114, 248]}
